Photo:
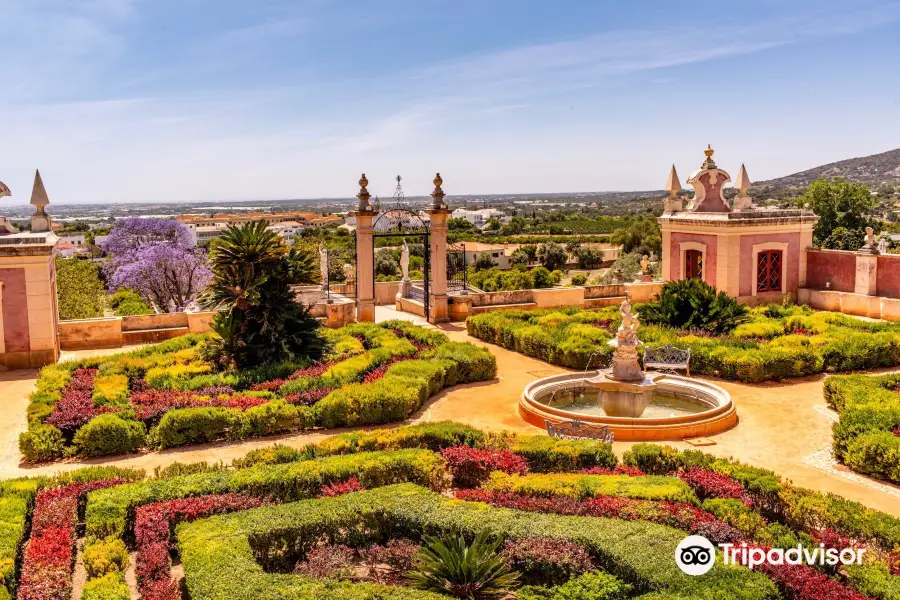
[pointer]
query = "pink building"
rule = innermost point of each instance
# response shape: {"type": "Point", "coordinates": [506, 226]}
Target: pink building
{"type": "Point", "coordinates": [754, 254]}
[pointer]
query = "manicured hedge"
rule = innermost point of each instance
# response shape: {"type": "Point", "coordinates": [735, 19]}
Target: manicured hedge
{"type": "Point", "coordinates": [167, 396]}
{"type": "Point", "coordinates": [778, 343]}
{"type": "Point", "coordinates": [865, 436]}
{"type": "Point", "coordinates": [111, 512]}
{"type": "Point", "coordinates": [650, 487]}
{"type": "Point", "coordinates": [222, 555]}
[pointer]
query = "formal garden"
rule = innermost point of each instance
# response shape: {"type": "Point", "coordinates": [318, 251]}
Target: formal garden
{"type": "Point", "coordinates": [726, 339]}
{"type": "Point", "coordinates": [431, 511]}
{"type": "Point", "coordinates": [171, 395]}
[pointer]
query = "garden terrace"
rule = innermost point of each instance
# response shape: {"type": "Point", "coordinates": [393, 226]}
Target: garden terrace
{"type": "Point", "coordinates": [324, 520]}
{"type": "Point", "coordinates": [867, 434]}
{"type": "Point", "coordinates": [169, 395]}
{"type": "Point", "coordinates": [777, 343]}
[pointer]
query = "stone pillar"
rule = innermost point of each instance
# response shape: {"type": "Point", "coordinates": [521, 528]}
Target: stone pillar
{"type": "Point", "coordinates": [365, 256]}
{"type": "Point", "coordinates": [866, 274]}
{"type": "Point", "coordinates": [665, 269]}
{"type": "Point", "coordinates": [438, 305]}
{"type": "Point", "coordinates": [30, 319]}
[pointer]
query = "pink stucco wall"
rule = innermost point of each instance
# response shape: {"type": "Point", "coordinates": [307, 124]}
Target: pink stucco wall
{"type": "Point", "coordinates": [15, 311]}
{"type": "Point", "coordinates": [832, 266]}
{"type": "Point", "coordinates": [748, 266]}
{"type": "Point", "coordinates": [888, 276]}
{"type": "Point", "coordinates": [709, 269]}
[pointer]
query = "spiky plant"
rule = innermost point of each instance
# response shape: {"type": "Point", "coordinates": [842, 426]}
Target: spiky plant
{"type": "Point", "coordinates": [259, 320]}
{"type": "Point", "coordinates": [694, 304]}
{"type": "Point", "coordinates": [477, 571]}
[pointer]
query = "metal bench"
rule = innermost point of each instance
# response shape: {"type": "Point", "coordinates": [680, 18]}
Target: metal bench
{"type": "Point", "coordinates": [578, 430]}
{"type": "Point", "coordinates": [668, 359]}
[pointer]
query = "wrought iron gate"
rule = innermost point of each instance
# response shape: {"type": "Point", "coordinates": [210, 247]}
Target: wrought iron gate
{"type": "Point", "coordinates": [457, 272]}
{"type": "Point", "coordinates": [340, 274]}
{"type": "Point", "coordinates": [396, 225]}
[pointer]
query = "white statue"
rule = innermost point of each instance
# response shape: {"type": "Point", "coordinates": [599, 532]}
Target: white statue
{"type": "Point", "coordinates": [404, 261]}
{"type": "Point", "coordinates": [627, 333]}
{"type": "Point", "coordinates": [323, 265]}
{"type": "Point", "coordinates": [348, 273]}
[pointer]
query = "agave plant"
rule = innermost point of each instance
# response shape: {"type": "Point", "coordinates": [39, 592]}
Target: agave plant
{"type": "Point", "coordinates": [258, 320]}
{"type": "Point", "coordinates": [694, 304]}
{"type": "Point", "coordinates": [477, 571]}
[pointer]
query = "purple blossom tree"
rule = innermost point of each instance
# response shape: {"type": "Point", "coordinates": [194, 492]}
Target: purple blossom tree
{"type": "Point", "coordinates": [157, 259]}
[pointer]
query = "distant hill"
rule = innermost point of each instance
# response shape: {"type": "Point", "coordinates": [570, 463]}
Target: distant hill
{"type": "Point", "coordinates": [871, 170]}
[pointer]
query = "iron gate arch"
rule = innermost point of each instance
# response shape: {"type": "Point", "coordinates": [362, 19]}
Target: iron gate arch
{"type": "Point", "coordinates": [402, 222]}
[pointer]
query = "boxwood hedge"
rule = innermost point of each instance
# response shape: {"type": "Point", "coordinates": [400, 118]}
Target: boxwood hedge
{"type": "Point", "coordinates": [778, 343]}
{"type": "Point", "coordinates": [224, 556]}
{"type": "Point", "coordinates": [864, 436]}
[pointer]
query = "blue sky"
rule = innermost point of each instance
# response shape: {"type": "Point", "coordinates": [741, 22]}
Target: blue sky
{"type": "Point", "coordinates": [140, 100]}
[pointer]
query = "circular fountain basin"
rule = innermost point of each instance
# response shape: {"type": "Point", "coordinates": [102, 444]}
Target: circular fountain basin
{"type": "Point", "coordinates": [679, 407]}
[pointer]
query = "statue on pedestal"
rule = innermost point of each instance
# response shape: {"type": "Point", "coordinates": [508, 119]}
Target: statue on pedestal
{"type": "Point", "coordinates": [404, 261]}
{"type": "Point", "coordinates": [323, 266]}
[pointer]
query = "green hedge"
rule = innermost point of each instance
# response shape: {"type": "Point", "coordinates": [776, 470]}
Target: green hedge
{"type": "Point", "coordinates": [778, 343]}
{"type": "Point", "coordinates": [573, 485]}
{"type": "Point", "coordinates": [869, 411]}
{"type": "Point", "coordinates": [111, 511]}
{"type": "Point", "coordinates": [110, 434]}
{"type": "Point", "coordinates": [431, 364]}
{"type": "Point", "coordinates": [799, 508]}
{"type": "Point", "coordinates": [547, 455]}
{"type": "Point", "coordinates": [222, 555]}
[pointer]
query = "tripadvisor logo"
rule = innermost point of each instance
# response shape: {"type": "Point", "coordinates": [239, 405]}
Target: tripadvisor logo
{"type": "Point", "coordinates": [696, 555]}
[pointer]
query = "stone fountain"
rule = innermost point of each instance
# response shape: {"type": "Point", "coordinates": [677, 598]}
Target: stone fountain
{"type": "Point", "coordinates": [625, 390]}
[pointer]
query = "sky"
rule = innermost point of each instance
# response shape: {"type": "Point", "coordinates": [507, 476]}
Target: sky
{"type": "Point", "coordinates": [208, 100]}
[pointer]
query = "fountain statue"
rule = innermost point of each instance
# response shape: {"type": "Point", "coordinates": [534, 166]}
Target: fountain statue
{"type": "Point", "coordinates": [625, 390]}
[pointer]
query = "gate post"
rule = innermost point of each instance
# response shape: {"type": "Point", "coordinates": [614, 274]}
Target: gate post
{"type": "Point", "coordinates": [440, 212]}
{"type": "Point", "coordinates": [365, 255]}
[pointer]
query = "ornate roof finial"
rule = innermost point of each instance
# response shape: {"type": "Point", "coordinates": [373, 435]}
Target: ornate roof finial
{"type": "Point", "coordinates": [40, 220]}
{"type": "Point", "coordinates": [4, 191]}
{"type": "Point", "coordinates": [743, 182]}
{"type": "Point", "coordinates": [39, 198]}
{"type": "Point", "coordinates": [673, 186]}
{"type": "Point", "coordinates": [363, 195]}
{"type": "Point", "coordinates": [438, 193]}
{"type": "Point", "coordinates": [709, 163]}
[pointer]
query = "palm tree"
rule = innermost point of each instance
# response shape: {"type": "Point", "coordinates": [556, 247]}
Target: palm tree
{"type": "Point", "coordinates": [259, 320]}
{"type": "Point", "coordinates": [475, 572]}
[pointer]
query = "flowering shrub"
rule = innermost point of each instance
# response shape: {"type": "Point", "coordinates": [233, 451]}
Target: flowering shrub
{"type": "Point", "coordinates": [330, 490]}
{"type": "Point", "coordinates": [471, 467]}
{"type": "Point", "coordinates": [48, 560]}
{"type": "Point", "coordinates": [390, 563]}
{"type": "Point", "coordinates": [547, 561]}
{"type": "Point", "coordinates": [617, 470]}
{"type": "Point", "coordinates": [309, 397]}
{"type": "Point", "coordinates": [153, 529]}
{"type": "Point", "coordinates": [152, 404]}
{"type": "Point", "coordinates": [802, 582]}
{"type": "Point", "coordinates": [707, 483]}
{"type": "Point", "coordinates": [76, 405]}
{"type": "Point", "coordinates": [681, 515]}
{"type": "Point", "coordinates": [329, 560]}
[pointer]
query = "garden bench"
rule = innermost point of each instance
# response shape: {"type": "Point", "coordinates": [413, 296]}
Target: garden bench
{"type": "Point", "coordinates": [578, 430]}
{"type": "Point", "coordinates": [668, 359]}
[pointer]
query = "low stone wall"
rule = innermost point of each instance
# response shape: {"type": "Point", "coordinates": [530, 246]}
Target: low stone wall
{"type": "Point", "coordinates": [85, 334]}
{"type": "Point", "coordinates": [876, 307]}
{"type": "Point", "coordinates": [595, 296]}
{"type": "Point", "coordinates": [889, 275]}
{"type": "Point", "coordinates": [386, 292]}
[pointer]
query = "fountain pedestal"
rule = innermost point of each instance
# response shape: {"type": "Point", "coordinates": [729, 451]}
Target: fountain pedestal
{"type": "Point", "coordinates": [626, 390]}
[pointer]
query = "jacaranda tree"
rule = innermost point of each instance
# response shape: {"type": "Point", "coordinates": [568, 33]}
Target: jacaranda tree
{"type": "Point", "coordinates": [259, 320]}
{"type": "Point", "coordinates": [157, 259]}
